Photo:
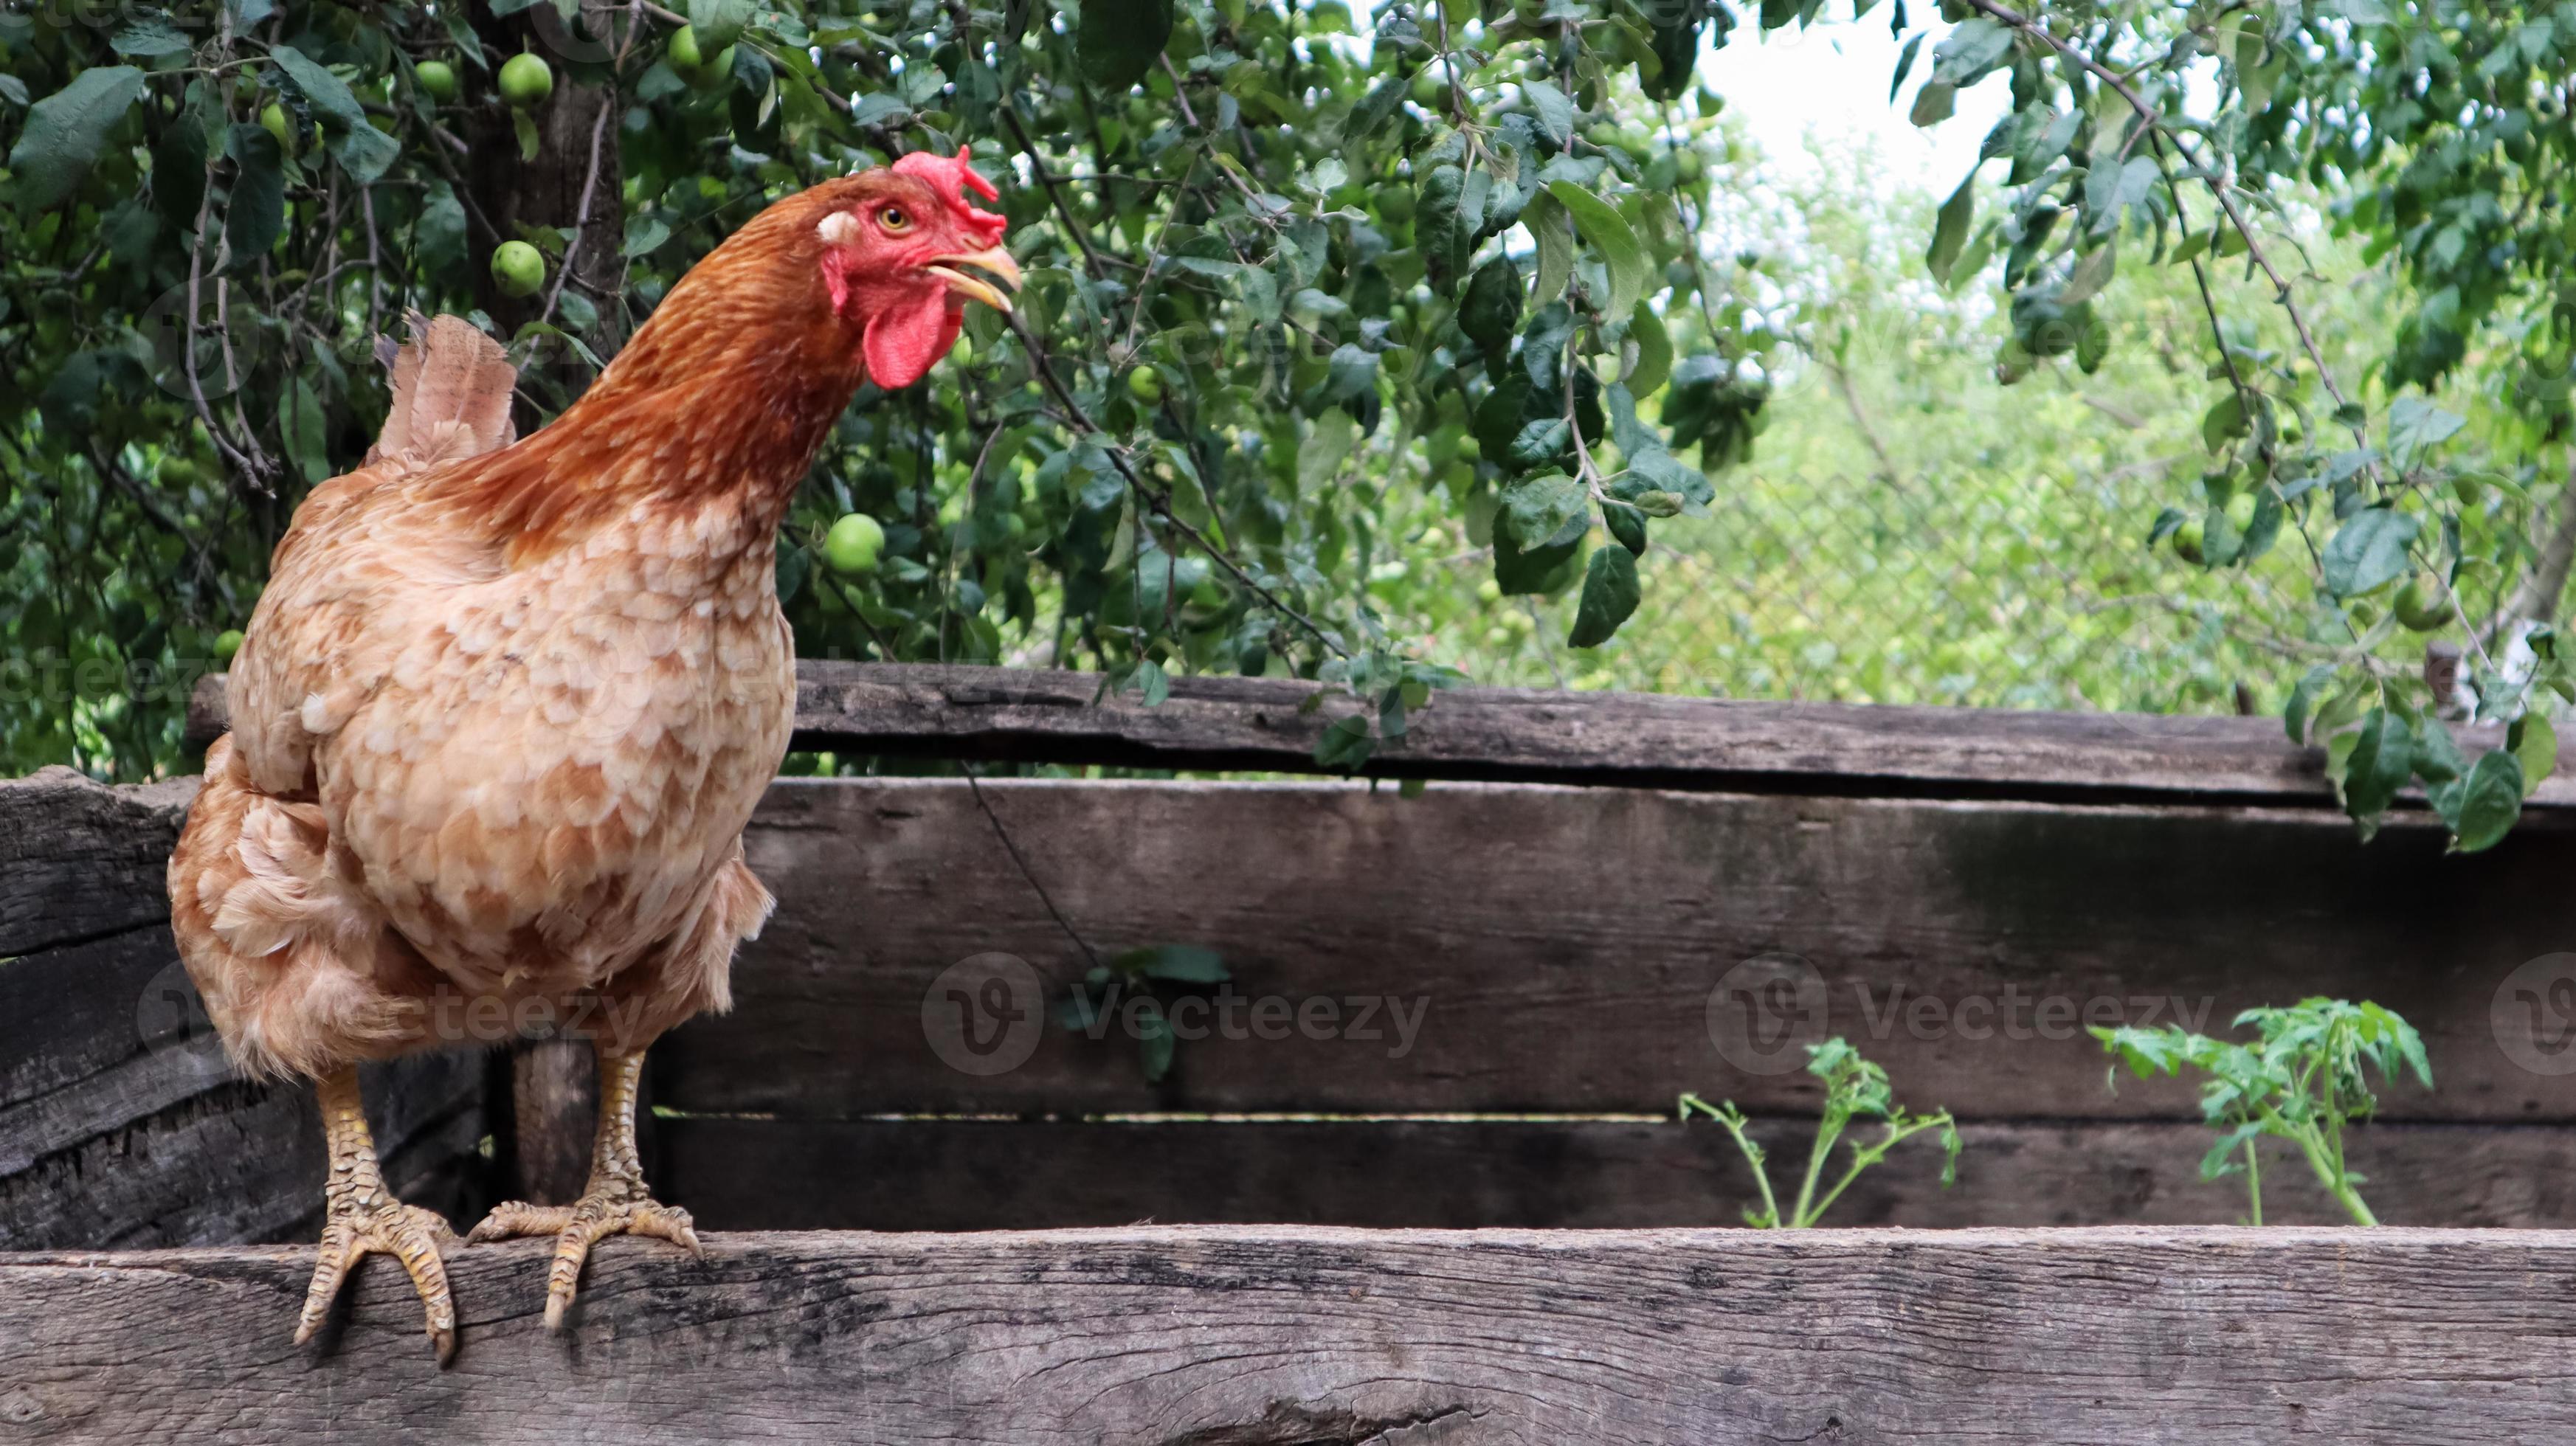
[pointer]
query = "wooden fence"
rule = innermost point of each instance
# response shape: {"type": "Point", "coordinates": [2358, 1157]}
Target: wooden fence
{"type": "Point", "coordinates": [1469, 1008]}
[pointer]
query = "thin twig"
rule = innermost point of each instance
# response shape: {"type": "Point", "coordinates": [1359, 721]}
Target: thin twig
{"type": "Point", "coordinates": [1042, 364]}
{"type": "Point", "coordinates": [581, 217]}
{"type": "Point", "coordinates": [1018, 859]}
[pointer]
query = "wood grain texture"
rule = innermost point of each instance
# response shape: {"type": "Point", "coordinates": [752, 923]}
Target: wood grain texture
{"type": "Point", "coordinates": [745, 1174]}
{"type": "Point", "coordinates": [1532, 735]}
{"type": "Point", "coordinates": [121, 1123]}
{"type": "Point", "coordinates": [1221, 1336]}
{"type": "Point", "coordinates": [79, 859]}
{"type": "Point", "coordinates": [1567, 950]}
{"type": "Point", "coordinates": [237, 1162]}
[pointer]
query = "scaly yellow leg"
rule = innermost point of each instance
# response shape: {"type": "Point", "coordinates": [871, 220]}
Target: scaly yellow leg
{"type": "Point", "coordinates": [362, 1217]}
{"type": "Point", "coordinates": [616, 1203]}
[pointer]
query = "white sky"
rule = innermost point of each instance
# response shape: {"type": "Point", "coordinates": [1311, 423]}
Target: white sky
{"type": "Point", "coordinates": [1829, 81]}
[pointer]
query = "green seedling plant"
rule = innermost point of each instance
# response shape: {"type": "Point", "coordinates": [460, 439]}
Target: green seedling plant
{"type": "Point", "coordinates": [2302, 1080]}
{"type": "Point", "coordinates": [1854, 1089]}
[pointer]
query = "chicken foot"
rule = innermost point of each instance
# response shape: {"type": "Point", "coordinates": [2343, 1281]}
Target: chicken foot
{"type": "Point", "coordinates": [615, 1203]}
{"type": "Point", "coordinates": [362, 1217]}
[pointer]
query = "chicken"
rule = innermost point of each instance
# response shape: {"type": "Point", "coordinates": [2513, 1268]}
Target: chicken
{"type": "Point", "coordinates": [505, 707]}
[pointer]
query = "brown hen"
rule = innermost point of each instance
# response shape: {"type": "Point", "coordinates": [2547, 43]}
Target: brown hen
{"type": "Point", "coordinates": [505, 707]}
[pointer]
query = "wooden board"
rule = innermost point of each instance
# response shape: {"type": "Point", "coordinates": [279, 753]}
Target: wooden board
{"type": "Point", "coordinates": [1531, 735]}
{"type": "Point", "coordinates": [120, 1121]}
{"type": "Point", "coordinates": [1567, 951]}
{"type": "Point", "coordinates": [79, 859]}
{"type": "Point", "coordinates": [1241, 1336]}
{"type": "Point", "coordinates": [746, 1174]}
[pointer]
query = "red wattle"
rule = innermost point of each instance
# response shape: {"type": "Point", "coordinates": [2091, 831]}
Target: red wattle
{"type": "Point", "coordinates": [906, 338]}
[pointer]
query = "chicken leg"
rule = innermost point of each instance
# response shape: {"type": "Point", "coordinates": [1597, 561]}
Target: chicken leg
{"type": "Point", "coordinates": [361, 1216]}
{"type": "Point", "coordinates": [615, 1203]}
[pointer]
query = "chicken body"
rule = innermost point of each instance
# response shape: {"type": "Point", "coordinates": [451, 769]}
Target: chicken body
{"type": "Point", "coordinates": [505, 707]}
{"type": "Point", "coordinates": [465, 800]}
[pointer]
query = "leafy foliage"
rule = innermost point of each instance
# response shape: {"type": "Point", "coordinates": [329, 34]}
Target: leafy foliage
{"type": "Point", "coordinates": [1854, 1089]}
{"type": "Point", "coordinates": [2302, 1081]}
{"type": "Point", "coordinates": [1307, 283]}
{"type": "Point", "coordinates": [1276, 216]}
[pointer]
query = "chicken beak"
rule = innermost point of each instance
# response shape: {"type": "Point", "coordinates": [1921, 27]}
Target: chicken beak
{"type": "Point", "coordinates": [995, 264]}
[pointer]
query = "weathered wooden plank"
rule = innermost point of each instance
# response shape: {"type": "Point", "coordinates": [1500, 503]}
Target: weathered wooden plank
{"type": "Point", "coordinates": [1240, 1336]}
{"type": "Point", "coordinates": [1532, 735]}
{"type": "Point", "coordinates": [236, 1162]}
{"type": "Point", "coordinates": [1590, 951]}
{"type": "Point", "coordinates": [79, 859]}
{"type": "Point", "coordinates": [752, 1174]}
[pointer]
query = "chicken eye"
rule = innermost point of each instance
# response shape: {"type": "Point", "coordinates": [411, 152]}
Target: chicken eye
{"type": "Point", "coordinates": [895, 220]}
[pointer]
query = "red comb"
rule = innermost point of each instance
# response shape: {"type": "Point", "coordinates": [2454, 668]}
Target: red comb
{"type": "Point", "coordinates": [951, 176]}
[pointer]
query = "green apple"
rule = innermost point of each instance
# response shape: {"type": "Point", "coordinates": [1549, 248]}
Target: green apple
{"type": "Point", "coordinates": [272, 119]}
{"type": "Point", "coordinates": [684, 53]}
{"type": "Point", "coordinates": [2187, 540]}
{"type": "Point", "coordinates": [851, 547]}
{"type": "Point", "coordinates": [438, 78]}
{"type": "Point", "coordinates": [227, 643]}
{"type": "Point", "coordinates": [518, 268]}
{"type": "Point", "coordinates": [526, 81]}
{"type": "Point", "coordinates": [2421, 606]}
{"type": "Point", "coordinates": [1146, 386]}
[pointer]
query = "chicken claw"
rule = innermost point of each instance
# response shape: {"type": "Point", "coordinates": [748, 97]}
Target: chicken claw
{"type": "Point", "coordinates": [617, 1202]}
{"type": "Point", "coordinates": [362, 1217]}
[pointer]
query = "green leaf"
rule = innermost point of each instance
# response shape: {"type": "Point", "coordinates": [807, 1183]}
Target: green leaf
{"type": "Point", "coordinates": [2091, 274]}
{"type": "Point", "coordinates": [1609, 596]}
{"type": "Point", "coordinates": [1544, 569]}
{"type": "Point", "coordinates": [2490, 801]}
{"type": "Point", "coordinates": [1536, 510]}
{"type": "Point", "coordinates": [256, 213]}
{"type": "Point", "coordinates": [1321, 458]}
{"type": "Point", "coordinates": [1950, 228]}
{"type": "Point", "coordinates": [362, 150]}
{"type": "Point", "coordinates": [1555, 111]}
{"type": "Point", "coordinates": [149, 35]}
{"type": "Point", "coordinates": [1553, 234]}
{"type": "Point", "coordinates": [66, 130]}
{"type": "Point", "coordinates": [1933, 103]}
{"type": "Point", "coordinates": [2415, 426]}
{"type": "Point", "coordinates": [2383, 758]}
{"type": "Point", "coordinates": [2369, 551]}
{"type": "Point", "coordinates": [1539, 442]}
{"type": "Point", "coordinates": [1154, 1042]}
{"type": "Point", "coordinates": [1972, 48]}
{"type": "Point", "coordinates": [1179, 963]}
{"type": "Point", "coordinates": [1609, 234]}
{"type": "Point", "coordinates": [719, 23]}
{"type": "Point", "coordinates": [644, 236]}
{"type": "Point", "coordinates": [1491, 311]}
{"type": "Point", "coordinates": [1654, 351]}
{"type": "Point", "coordinates": [2535, 742]}
{"type": "Point", "coordinates": [1120, 39]}
{"type": "Point", "coordinates": [300, 421]}
{"type": "Point", "coordinates": [1345, 745]}
{"type": "Point", "coordinates": [2224, 421]}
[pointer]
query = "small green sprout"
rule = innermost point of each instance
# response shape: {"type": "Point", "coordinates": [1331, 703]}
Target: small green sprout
{"type": "Point", "coordinates": [2301, 1081]}
{"type": "Point", "coordinates": [1854, 1088]}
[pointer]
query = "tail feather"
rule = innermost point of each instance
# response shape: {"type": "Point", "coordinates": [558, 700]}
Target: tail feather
{"type": "Point", "coordinates": [452, 388]}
